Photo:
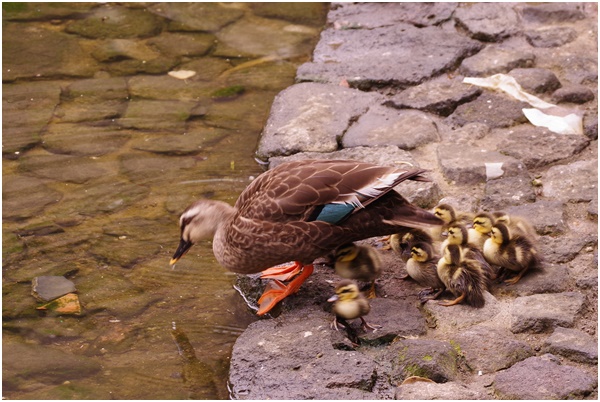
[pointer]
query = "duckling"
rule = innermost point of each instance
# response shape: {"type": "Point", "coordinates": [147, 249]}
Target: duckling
{"type": "Point", "coordinates": [358, 262]}
{"type": "Point", "coordinates": [516, 253]}
{"type": "Point", "coordinates": [349, 304]}
{"type": "Point", "coordinates": [448, 214]}
{"type": "Point", "coordinates": [401, 243]}
{"type": "Point", "coordinates": [464, 277]}
{"type": "Point", "coordinates": [515, 224]}
{"type": "Point", "coordinates": [422, 267]}
{"type": "Point", "coordinates": [480, 232]}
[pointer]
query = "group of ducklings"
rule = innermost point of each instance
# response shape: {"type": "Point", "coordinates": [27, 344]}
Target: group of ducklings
{"type": "Point", "coordinates": [464, 256]}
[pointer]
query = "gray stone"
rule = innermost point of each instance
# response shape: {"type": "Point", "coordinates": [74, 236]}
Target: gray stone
{"type": "Point", "coordinates": [436, 360]}
{"type": "Point", "coordinates": [183, 44]}
{"type": "Point", "coordinates": [311, 117]}
{"type": "Point", "coordinates": [542, 312]}
{"type": "Point", "coordinates": [411, 55]}
{"type": "Point", "coordinates": [396, 318]}
{"type": "Point", "coordinates": [547, 217]}
{"type": "Point", "coordinates": [474, 343]}
{"type": "Point", "coordinates": [440, 96]}
{"type": "Point", "coordinates": [563, 249]}
{"type": "Point", "coordinates": [26, 110]}
{"type": "Point", "coordinates": [550, 36]}
{"type": "Point", "coordinates": [463, 164]}
{"type": "Point", "coordinates": [209, 17]}
{"type": "Point", "coordinates": [552, 12]}
{"type": "Point", "coordinates": [536, 80]}
{"type": "Point", "coordinates": [494, 110]}
{"type": "Point", "coordinates": [382, 125]}
{"type": "Point", "coordinates": [538, 147]}
{"type": "Point", "coordinates": [574, 344]}
{"type": "Point", "coordinates": [543, 377]}
{"type": "Point", "coordinates": [467, 134]}
{"type": "Point", "coordinates": [490, 22]}
{"type": "Point", "coordinates": [575, 182]}
{"type": "Point", "coordinates": [84, 140]}
{"type": "Point", "coordinates": [373, 15]}
{"type": "Point", "coordinates": [494, 60]}
{"type": "Point", "coordinates": [550, 278]}
{"type": "Point", "coordinates": [115, 21]}
{"type": "Point", "coordinates": [573, 93]}
{"type": "Point", "coordinates": [508, 191]}
{"type": "Point", "coordinates": [590, 126]}
{"type": "Point", "coordinates": [46, 288]}
{"type": "Point", "coordinates": [64, 168]}
{"type": "Point", "coordinates": [158, 115]}
{"type": "Point", "coordinates": [461, 316]}
{"type": "Point", "coordinates": [424, 390]}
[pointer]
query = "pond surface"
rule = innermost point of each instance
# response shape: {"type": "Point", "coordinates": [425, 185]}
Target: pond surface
{"type": "Point", "coordinates": [102, 150]}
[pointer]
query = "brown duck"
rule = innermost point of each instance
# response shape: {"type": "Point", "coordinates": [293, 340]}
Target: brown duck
{"type": "Point", "coordinates": [300, 211]}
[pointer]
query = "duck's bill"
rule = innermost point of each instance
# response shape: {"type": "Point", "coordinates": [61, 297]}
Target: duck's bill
{"type": "Point", "coordinates": [183, 248]}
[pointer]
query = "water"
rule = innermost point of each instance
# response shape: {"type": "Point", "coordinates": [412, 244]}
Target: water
{"type": "Point", "coordinates": [102, 151]}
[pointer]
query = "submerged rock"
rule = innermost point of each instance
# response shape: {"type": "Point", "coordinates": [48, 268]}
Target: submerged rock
{"type": "Point", "coordinates": [47, 288]}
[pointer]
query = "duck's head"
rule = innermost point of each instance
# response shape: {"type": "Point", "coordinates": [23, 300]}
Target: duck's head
{"type": "Point", "coordinates": [346, 290]}
{"type": "Point", "coordinates": [483, 223]}
{"type": "Point", "coordinates": [445, 212]}
{"type": "Point", "coordinates": [421, 252]}
{"type": "Point", "coordinates": [346, 252]}
{"type": "Point", "coordinates": [199, 222]}
{"type": "Point", "coordinates": [457, 234]}
{"type": "Point", "coordinates": [500, 233]}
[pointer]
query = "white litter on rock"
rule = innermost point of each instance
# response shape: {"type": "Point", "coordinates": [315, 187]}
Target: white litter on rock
{"type": "Point", "coordinates": [493, 170]}
{"type": "Point", "coordinates": [182, 74]}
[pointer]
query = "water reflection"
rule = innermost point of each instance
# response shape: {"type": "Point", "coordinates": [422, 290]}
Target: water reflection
{"type": "Point", "coordinates": [102, 150]}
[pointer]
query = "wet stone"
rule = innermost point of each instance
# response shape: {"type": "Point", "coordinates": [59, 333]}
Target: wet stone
{"type": "Point", "coordinates": [422, 390]}
{"type": "Point", "coordinates": [481, 355]}
{"type": "Point", "coordinates": [462, 316]}
{"type": "Point", "coordinates": [165, 87]}
{"type": "Point", "coordinates": [490, 22]}
{"type": "Point", "coordinates": [208, 17]}
{"type": "Point", "coordinates": [440, 96]}
{"type": "Point", "coordinates": [310, 117]}
{"type": "Point", "coordinates": [24, 197]}
{"type": "Point", "coordinates": [550, 36]}
{"type": "Point", "coordinates": [537, 146]}
{"type": "Point", "coordinates": [293, 12]}
{"type": "Point", "coordinates": [207, 68]}
{"type": "Point", "coordinates": [535, 80]}
{"type": "Point", "coordinates": [176, 144]}
{"type": "Point", "coordinates": [267, 76]}
{"type": "Point", "coordinates": [144, 168]}
{"type": "Point", "coordinates": [44, 11]}
{"type": "Point", "coordinates": [574, 94]}
{"type": "Point", "coordinates": [575, 182]}
{"type": "Point", "coordinates": [552, 12]}
{"type": "Point", "coordinates": [543, 377]}
{"type": "Point", "coordinates": [494, 110]}
{"type": "Point", "coordinates": [48, 288]}
{"type": "Point", "coordinates": [84, 140]}
{"type": "Point", "coordinates": [494, 60]}
{"type": "Point", "coordinates": [382, 125]}
{"type": "Point", "coordinates": [126, 67]}
{"type": "Point", "coordinates": [573, 344]}
{"type": "Point", "coordinates": [549, 278]}
{"type": "Point", "coordinates": [183, 44]}
{"type": "Point", "coordinates": [470, 165]}
{"type": "Point", "coordinates": [97, 90]}
{"type": "Point", "coordinates": [65, 168]}
{"type": "Point", "coordinates": [543, 312]}
{"type": "Point", "coordinates": [547, 217]}
{"type": "Point", "coordinates": [120, 49]}
{"type": "Point", "coordinates": [412, 55]}
{"type": "Point", "coordinates": [113, 21]}
{"type": "Point", "coordinates": [158, 115]}
{"type": "Point", "coordinates": [26, 110]}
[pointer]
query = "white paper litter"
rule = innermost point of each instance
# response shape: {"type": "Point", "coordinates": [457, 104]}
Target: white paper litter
{"type": "Point", "coordinates": [182, 74]}
{"type": "Point", "coordinates": [555, 118]}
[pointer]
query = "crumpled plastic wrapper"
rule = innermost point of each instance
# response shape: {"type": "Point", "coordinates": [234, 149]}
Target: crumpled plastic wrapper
{"type": "Point", "coordinates": [557, 119]}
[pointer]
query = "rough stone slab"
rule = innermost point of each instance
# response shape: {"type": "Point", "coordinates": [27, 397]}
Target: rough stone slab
{"type": "Point", "coordinates": [178, 144]}
{"type": "Point", "coordinates": [422, 390]}
{"type": "Point", "coordinates": [464, 164]}
{"type": "Point", "coordinates": [575, 182]}
{"type": "Point", "coordinates": [495, 60]}
{"type": "Point", "coordinates": [551, 278]}
{"type": "Point", "coordinates": [271, 355]}
{"type": "Point", "coordinates": [467, 134]}
{"type": "Point", "coordinates": [573, 344]}
{"type": "Point", "coordinates": [382, 125]}
{"type": "Point", "coordinates": [83, 140]}
{"type": "Point", "coordinates": [411, 55]}
{"type": "Point", "coordinates": [48, 288]}
{"type": "Point", "coordinates": [396, 317]}
{"type": "Point", "coordinates": [538, 146]}
{"type": "Point", "coordinates": [494, 110]}
{"type": "Point", "coordinates": [311, 117]}
{"type": "Point", "coordinates": [206, 17]}
{"type": "Point", "coordinates": [488, 357]}
{"type": "Point", "coordinates": [440, 96]}
{"type": "Point", "coordinates": [24, 197]}
{"type": "Point", "coordinates": [541, 312]}
{"type": "Point", "coordinates": [535, 80]}
{"type": "Point", "coordinates": [574, 94]}
{"type": "Point", "coordinates": [552, 12]}
{"type": "Point", "coordinates": [547, 217]}
{"type": "Point", "coordinates": [543, 378]}
{"type": "Point", "coordinates": [436, 360]}
{"type": "Point", "coordinates": [165, 87]}
{"type": "Point", "coordinates": [562, 249]}
{"type": "Point", "coordinates": [159, 115]}
{"type": "Point", "coordinates": [374, 15]}
{"type": "Point", "coordinates": [312, 14]}
{"type": "Point", "coordinates": [550, 36]}
{"type": "Point", "coordinates": [64, 168]}
{"type": "Point", "coordinates": [508, 191]}
{"type": "Point", "coordinates": [489, 22]}
{"type": "Point", "coordinates": [45, 11]}
{"type": "Point", "coordinates": [113, 21]}
{"type": "Point", "coordinates": [182, 44]}
{"type": "Point", "coordinates": [143, 167]}
{"type": "Point", "coordinates": [462, 316]}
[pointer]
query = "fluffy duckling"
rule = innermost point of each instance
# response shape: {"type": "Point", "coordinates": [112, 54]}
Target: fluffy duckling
{"type": "Point", "coordinates": [358, 262]}
{"type": "Point", "coordinates": [480, 232]}
{"type": "Point", "coordinates": [422, 267]}
{"type": "Point", "coordinates": [515, 224]}
{"type": "Point", "coordinates": [516, 253]}
{"type": "Point", "coordinates": [402, 243]}
{"type": "Point", "coordinates": [464, 277]}
{"type": "Point", "coordinates": [349, 304]}
{"type": "Point", "coordinates": [448, 215]}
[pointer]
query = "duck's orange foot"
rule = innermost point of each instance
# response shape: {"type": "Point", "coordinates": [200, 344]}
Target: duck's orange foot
{"type": "Point", "coordinates": [276, 291]}
{"type": "Point", "coordinates": [283, 272]}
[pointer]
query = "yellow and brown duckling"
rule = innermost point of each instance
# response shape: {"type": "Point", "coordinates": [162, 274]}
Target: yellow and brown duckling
{"type": "Point", "coordinates": [448, 214]}
{"type": "Point", "coordinates": [458, 235]}
{"type": "Point", "coordinates": [422, 267]}
{"type": "Point", "coordinates": [516, 253]}
{"type": "Point", "coordinates": [482, 227]}
{"type": "Point", "coordinates": [358, 262]}
{"type": "Point", "coordinates": [516, 224]}
{"type": "Point", "coordinates": [462, 276]}
{"type": "Point", "coordinates": [348, 304]}
{"type": "Point", "coordinates": [402, 243]}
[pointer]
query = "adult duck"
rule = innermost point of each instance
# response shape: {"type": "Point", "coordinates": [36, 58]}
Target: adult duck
{"type": "Point", "coordinates": [299, 211]}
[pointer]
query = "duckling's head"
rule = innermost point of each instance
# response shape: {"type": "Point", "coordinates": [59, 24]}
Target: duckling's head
{"type": "Point", "coordinates": [452, 254]}
{"type": "Point", "coordinates": [500, 233]}
{"type": "Point", "coordinates": [344, 291]}
{"type": "Point", "coordinates": [421, 252]}
{"type": "Point", "coordinates": [445, 212]}
{"type": "Point", "coordinates": [483, 223]}
{"type": "Point", "coordinates": [457, 234]}
{"type": "Point", "coordinates": [501, 217]}
{"type": "Point", "coordinates": [346, 252]}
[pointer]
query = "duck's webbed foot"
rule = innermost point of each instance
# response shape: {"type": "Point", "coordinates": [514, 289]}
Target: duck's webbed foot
{"type": "Point", "coordinates": [449, 303]}
{"type": "Point", "coordinates": [276, 290]}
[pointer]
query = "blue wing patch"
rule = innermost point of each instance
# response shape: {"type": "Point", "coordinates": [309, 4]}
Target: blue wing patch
{"type": "Point", "coordinates": [332, 213]}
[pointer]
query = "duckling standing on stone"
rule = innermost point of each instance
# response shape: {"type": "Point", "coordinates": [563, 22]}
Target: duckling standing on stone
{"type": "Point", "coordinates": [462, 276]}
{"type": "Point", "coordinates": [402, 243]}
{"type": "Point", "coordinates": [349, 304]}
{"type": "Point", "coordinates": [480, 232]}
{"type": "Point", "coordinates": [422, 267]}
{"type": "Point", "coordinates": [358, 262]}
{"type": "Point", "coordinates": [448, 215]}
{"type": "Point", "coordinates": [516, 253]}
{"type": "Point", "coordinates": [516, 224]}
